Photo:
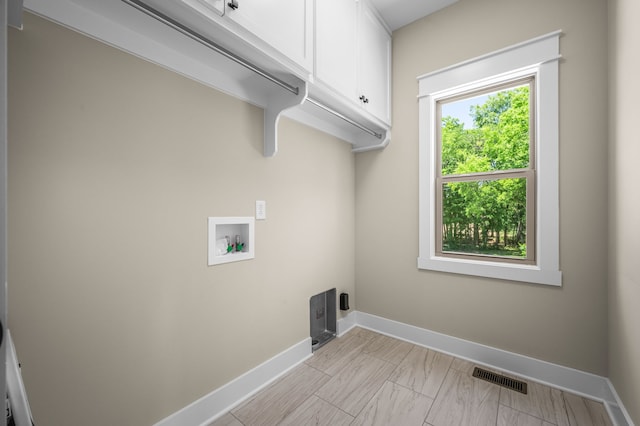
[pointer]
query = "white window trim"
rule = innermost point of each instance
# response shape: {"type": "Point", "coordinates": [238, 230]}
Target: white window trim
{"type": "Point", "coordinates": [538, 56]}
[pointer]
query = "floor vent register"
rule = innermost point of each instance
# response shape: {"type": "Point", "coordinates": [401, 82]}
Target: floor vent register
{"type": "Point", "coordinates": [499, 379]}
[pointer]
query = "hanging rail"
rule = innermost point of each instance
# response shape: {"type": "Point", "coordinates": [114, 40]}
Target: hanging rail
{"type": "Point", "coordinates": [344, 117]}
{"type": "Point", "coordinates": [156, 14]}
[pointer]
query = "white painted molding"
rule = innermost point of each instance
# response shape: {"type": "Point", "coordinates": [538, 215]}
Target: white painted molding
{"type": "Point", "coordinates": [575, 381]}
{"type": "Point", "coordinates": [217, 403]}
{"type": "Point", "coordinates": [205, 410]}
{"type": "Point", "coordinates": [617, 411]}
{"type": "Point", "coordinates": [346, 323]}
{"type": "Point", "coordinates": [536, 58]}
{"type": "Point", "coordinates": [208, 408]}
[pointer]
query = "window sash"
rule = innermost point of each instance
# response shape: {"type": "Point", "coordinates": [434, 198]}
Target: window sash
{"type": "Point", "coordinates": [529, 174]}
{"type": "Point", "coordinates": [530, 80]}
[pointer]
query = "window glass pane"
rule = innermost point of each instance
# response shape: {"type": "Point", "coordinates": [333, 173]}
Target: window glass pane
{"type": "Point", "coordinates": [483, 133]}
{"type": "Point", "coordinates": [485, 217]}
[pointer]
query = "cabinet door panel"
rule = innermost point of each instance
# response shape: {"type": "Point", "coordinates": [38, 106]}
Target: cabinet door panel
{"type": "Point", "coordinates": [374, 70]}
{"type": "Point", "coordinates": [286, 26]}
{"type": "Point", "coordinates": [336, 54]}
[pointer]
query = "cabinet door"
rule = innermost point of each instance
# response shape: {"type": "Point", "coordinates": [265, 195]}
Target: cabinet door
{"type": "Point", "coordinates": [374, 65]}
{"type": "Point", "coordinates": [336, 54]}
{"type": "Point", "coordinates": [286, 26]}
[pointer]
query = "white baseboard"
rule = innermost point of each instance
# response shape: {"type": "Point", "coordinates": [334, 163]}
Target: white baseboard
{"type": "Point", "coordinates": [208, 408]}
{"type": "Point", "coordinates": [565, 378]}
{"type": "Point", "coordinates": [617, 411]}
{"type": "Point", "coordinates": [223, 399]}
{"type": "Point", "coordinates": [346, 323]}
{"type": "Point", "coordinates": [586, 384]}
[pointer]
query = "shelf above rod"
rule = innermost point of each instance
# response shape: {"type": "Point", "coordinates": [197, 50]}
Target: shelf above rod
{"type": "Point", "coordinates": [344, 117]}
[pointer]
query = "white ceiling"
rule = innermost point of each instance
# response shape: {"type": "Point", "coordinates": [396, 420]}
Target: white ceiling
{"type": "Point", "coordinates": [398, 13]}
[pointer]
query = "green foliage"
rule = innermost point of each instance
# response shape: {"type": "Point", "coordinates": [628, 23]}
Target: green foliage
{"type": "Point", "coordinates": [487, 215]}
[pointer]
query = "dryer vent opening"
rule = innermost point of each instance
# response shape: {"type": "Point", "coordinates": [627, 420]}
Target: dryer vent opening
{"type": "Point", "coordinates": [322, 315]}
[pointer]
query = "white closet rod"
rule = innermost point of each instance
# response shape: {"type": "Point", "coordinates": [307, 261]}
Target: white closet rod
{"type": "Point", "coordinates": [156, 14]}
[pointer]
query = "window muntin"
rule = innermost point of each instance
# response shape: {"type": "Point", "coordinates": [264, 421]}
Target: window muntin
{"type": "Point", "coordinates": [485, 179]}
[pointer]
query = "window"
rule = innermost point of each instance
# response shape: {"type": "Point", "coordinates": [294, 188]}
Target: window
{"type": "Point", "coordinates": [489, 165]}
{"type": "Point", "coordinates": [485, 178]}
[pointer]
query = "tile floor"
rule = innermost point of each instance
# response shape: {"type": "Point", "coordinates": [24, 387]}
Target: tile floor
{"type": "Point", "coordinates": [365, 378]}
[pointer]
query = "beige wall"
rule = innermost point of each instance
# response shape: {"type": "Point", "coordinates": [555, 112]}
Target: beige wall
{"type": "Point", "coordinates": [624, 282]}
{"type": "Point", "coordinates": [567, 325]}
{"type": "Point", "coordinates": [114, 166]}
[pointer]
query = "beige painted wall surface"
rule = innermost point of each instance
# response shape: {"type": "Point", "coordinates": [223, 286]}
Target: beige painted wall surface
{"type": "Point", "coordinates": [624, 282]}
{"type": "Point", "coordinates": [567, 325]}
{"type": "Point", "coordinates": [114, 166]}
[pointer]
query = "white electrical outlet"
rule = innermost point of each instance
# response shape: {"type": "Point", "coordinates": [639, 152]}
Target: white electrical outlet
{"type": "Point", "coordinates": [261, 210]}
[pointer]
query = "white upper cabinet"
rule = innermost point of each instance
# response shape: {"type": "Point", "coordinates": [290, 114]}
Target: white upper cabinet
{"type": "Point", "coordinates": [374, 65]}
{"type": "Point", "coordinates": [287, 26]}
{"type": "Point", "coordinates": [336, 46]}
{"type": "Point", "coordinates": [325, 63]}
{"type": "Point", "coordinates": [353, 54]}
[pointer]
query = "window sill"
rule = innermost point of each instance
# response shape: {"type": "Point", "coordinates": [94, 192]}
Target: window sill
{"type": "Point", "coordinates": [500, 270]}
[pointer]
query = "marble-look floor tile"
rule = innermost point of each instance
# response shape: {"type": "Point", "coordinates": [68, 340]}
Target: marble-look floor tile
{"type": "Point", "coordinates": [355, 385]}
{"type": "Point", "coordinates": [363, 332]}
{"type": "Point", "coordinates": [332, 357]}
{"type": "Point", "coordinates": [510, 417]}
{"type": "Point", "coordinates": [317, 412]}
{"type": "Point", "coordinates": [366, 378]}
{"type": "Point", "coordinates": [281, 398]}
{"type": "Point", "coordinates": [585, 412]}
{"type": "Point", "coordinates": [463, 366]}
{"type": "Point", "coordinates": [387, 348]}
{"type": "Point", "coordinates": [468, 366]}
{"type": "Point", "coordinates": [541, 401]}
{"type": "Point", "coordinates": [465, 400]}
{"type": "Point", "coordinates": [226, 420]}
{"type": "Point", "coordinates": [422, 370]}
{"type": "Point", "coordinates": [394, 405]}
